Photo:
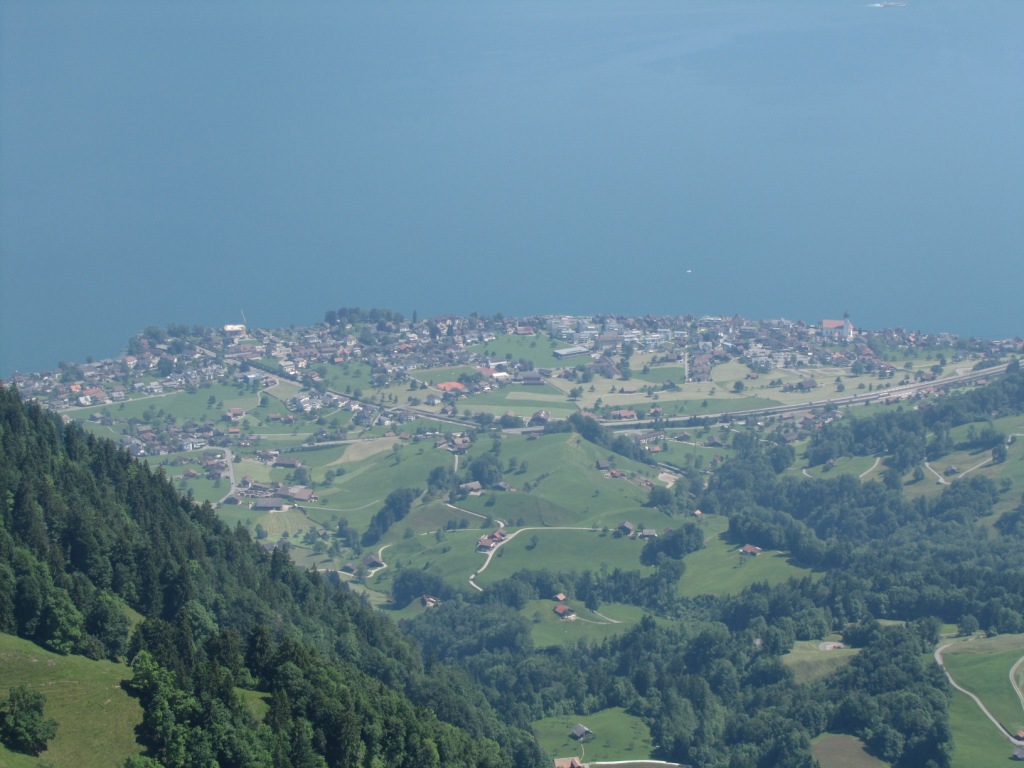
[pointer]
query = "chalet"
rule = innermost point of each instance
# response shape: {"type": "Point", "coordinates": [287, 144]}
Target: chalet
{"type": "Point", "coordinates": [626, 528]}
{"type": "Point", "coordinates": [647, 533]}
{"type": "Point", "coordinates": [540, 418]}
{"type": "Point", "coordinates": [349, 568]}
{"type": "Point", "coordinates": [1018, 754]}
{"type": "Point", "coordinates": [372, 561]}
{"type": "Point", "coordinates": [471, 487]}
{"type": "Point", "coordinates": [485, 544]}
{"type": "Point", "coordinates": [287, 462]}
{"type": "Point", "coordinates": [580, 732]}
{"type": "Point", "coordinates": [750, 549]}
{"type": "Point", "coordinates": [299, 493]}
{"type": "Point", "coordinates": [429, 601]}
{"type": "Point", "coordinates": [603, 465]}
{"type": "Point", "coordinates": [564, 611]}
{"type": "Point", "coordinates": [568, 762]}
{"type": "Point", "coordinates": [559, 598]}
{"type": "Point", "coordinates": [624, 414]}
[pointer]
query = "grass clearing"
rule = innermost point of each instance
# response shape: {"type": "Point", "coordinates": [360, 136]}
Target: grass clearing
{"type": "Point", "coordinates": [557, 550]}
{"type": "Point", "coordinates": [364, 449]}
{"type": "Point", "coordinates": [809, 663]}
{"type": "Point", "coordinates": [617, 736]}
{"type": "Point", "coordinates": [719, 569]}
{"type": "Point", "coordinates": [73, 685]}
{"type": "Point", "coordinates": [837, 750]}
{"type": "Point", "coordinates": [547, 630]}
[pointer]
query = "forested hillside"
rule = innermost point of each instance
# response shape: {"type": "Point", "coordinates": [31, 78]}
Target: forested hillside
{"type": "Point", "coordinates": [89, 533]}
{"type": "Point", "coordinates": [708, 677]}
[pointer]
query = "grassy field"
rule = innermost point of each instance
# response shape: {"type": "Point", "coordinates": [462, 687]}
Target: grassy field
{"type": "Point", "coordinates": [521, 400]}
{"type": "Point", "coordinates": [834, 750]}
{"type": "Point", "coordinates": [719, 569]}
{"type": "Point", "coordinates": [845, 465]}
{"type": "Point", "coordinates": [567, 487]}
{"type": "Point", "coordinates": [617, 736]}
{"type": "Point", "coordinates": [535, 349]}
{"type": "Point", "coordinates": [976, 741]}
{"type": "Point", "coordinates": [548, 629]}
{"type": "Point", "coordinates": [982, 666]}
{"type": "Point", "coordinates": [810, 663]}
{"type": "Point", "coordinates": [563, 551]}
{"type": "Point", "coordinates": [73, 685]}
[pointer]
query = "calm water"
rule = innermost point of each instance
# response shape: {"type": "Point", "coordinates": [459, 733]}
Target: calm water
{"type": "Point", "coordinates": [187, 162]}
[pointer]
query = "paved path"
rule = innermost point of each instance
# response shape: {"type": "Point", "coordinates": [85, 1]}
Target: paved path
{"type": "Point", "coordinates": [1013, 680]}
{"type": "Point", "coordinates": [380, 556]}
{"type": "Point", "coordinates": [872, 468]}
{"type": "Point", "coordinates": [1012, 739]}
{"type": "Point", "coordinates": [942, 480]}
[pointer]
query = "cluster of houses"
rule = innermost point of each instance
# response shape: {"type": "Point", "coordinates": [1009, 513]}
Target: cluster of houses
{"type": "Point", "coordinates": [159, 363]}
{"type": "Point", "coordinates": [627, 529]}
{"type": "Point", "coordinates": [491, 541]}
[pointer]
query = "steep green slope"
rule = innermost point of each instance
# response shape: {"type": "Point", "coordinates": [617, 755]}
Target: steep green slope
{"type": "Point", "coordinates": [88, 533]}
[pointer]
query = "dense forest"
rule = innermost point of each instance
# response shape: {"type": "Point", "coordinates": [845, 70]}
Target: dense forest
{"type": "Point", "coordinates": [100, 556]}
{"type": "Point", "coordinates": [90, 537]}
{"type": "Point", "coordinates": [706, 674]}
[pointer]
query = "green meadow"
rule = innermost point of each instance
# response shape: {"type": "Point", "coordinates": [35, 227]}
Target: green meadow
{"type": "Point", "coordinates": [982, 666]}
{"type": "Point", "coordinates": [719, 568]}
{"type": "Point", "coordinates": [566, 486]}
{"type": "Point", "coordinates": [976, 742]}
{"type": "Point", "coordinates": [521, 400]}
{"type": "Point", "coordinates": [73, 685]}
{"type": "Point", "coordinates": [561, 550]}
{"type": "Point", "coordinates": [617, 736]}
{"type": "Point", "coordinates": [538, 350]}
{"type": "Point", "coordinates": [845, 465]}
{"type": "Point", "coordinates": [809, 662]}
{"type": "Point", "coordinates": [547, 629]}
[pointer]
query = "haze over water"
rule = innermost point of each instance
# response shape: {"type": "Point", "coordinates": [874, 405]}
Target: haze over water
{"type": "Point", "coordinates": [184, 162]}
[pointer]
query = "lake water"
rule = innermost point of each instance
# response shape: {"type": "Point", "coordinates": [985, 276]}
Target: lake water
{"type": "Point", "coordinates": [188, 162]}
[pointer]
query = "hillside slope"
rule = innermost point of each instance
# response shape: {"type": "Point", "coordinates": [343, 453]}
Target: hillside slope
{"type": "Point", "coordinates": [87, 533]}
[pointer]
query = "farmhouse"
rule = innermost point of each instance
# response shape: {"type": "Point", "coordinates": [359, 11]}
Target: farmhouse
{"type": "Point", "coordinates": [564, 611]}
{"type": "Point", "coordinates": [750, 549]}
{"type": "Point", "coordinates": [580, 732]}
{"type": "Point", "coordinates": [626, 528]}
{"type": "Point", "coordinates": [269, 503]}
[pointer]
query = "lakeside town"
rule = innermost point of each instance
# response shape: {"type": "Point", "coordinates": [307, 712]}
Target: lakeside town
{"type": "Point", "coordinates": [397, 351]}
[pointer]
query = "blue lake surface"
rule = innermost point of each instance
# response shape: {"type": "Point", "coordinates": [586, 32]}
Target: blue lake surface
{"type": "Point", "coordinates": [186, 162]}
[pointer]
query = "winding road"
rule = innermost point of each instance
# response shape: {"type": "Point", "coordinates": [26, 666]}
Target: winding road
{"type": "Point", "coordinates": [1009, 736]}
